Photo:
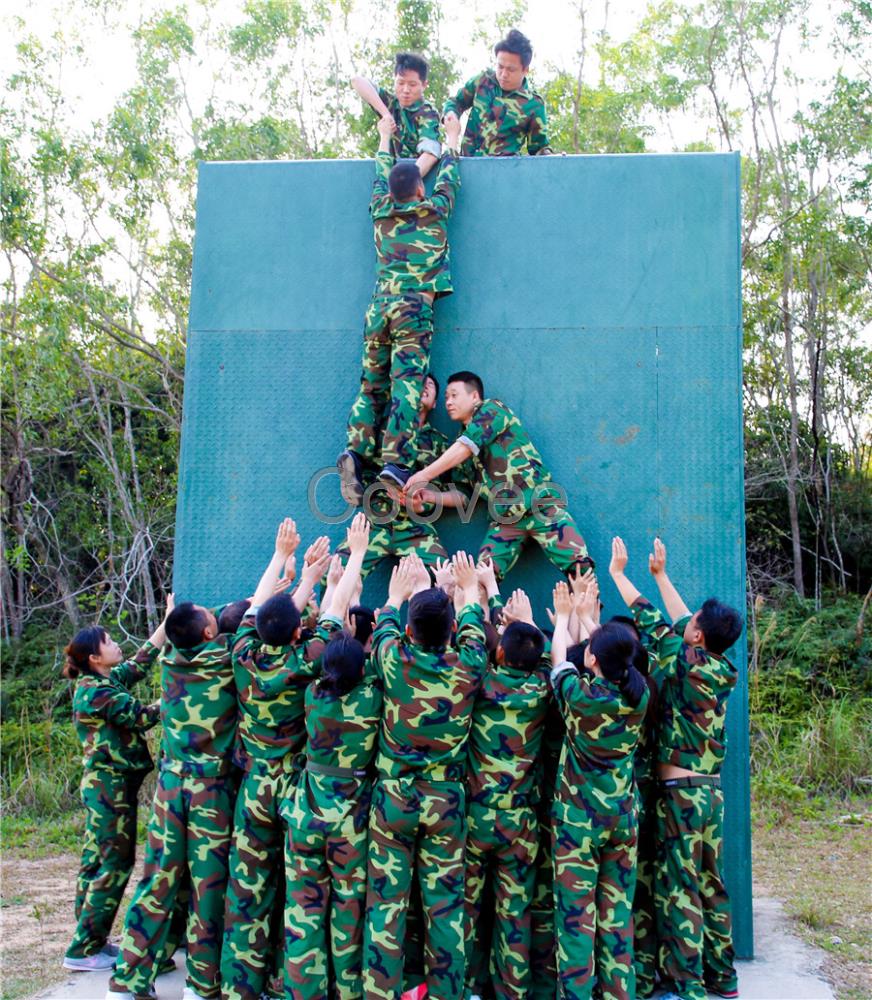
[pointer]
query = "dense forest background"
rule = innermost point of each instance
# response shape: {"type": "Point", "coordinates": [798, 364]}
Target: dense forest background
{"type": "Point", "coordinates": [98, 213]}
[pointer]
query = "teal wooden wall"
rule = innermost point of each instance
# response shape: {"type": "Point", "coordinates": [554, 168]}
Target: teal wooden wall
{"type": "Point", "coordinates": [598, 296]}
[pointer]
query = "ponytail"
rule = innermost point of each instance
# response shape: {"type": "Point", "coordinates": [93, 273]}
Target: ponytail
{"type": "Point", "coordinates": [85, 644]}
{"type": "Point", "coordinates": [616, 648]}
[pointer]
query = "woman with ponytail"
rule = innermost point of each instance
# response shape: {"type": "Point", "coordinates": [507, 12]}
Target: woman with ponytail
{"type": "Point", "coordinates": [595, 825]}
{"type": "Point", "coordinates": [111, 723]}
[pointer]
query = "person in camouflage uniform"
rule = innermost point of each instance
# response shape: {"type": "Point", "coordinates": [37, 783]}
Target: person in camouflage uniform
{"type": "Point", "coordinates": [523, 503]}
{"type": "Point", "coordinates": [111, 724]}
{"type": "Point", "coordinates": [416, 132]}
{"type": "Point", "coordinates": [603, 706]}
{"type": "Point", "coordinates": [272, 668]}
{"type": "Point", "coordinates": [418, 816]}
{"type": "Point", "coordinates": [411, 240]}
{"type": "Point", "coordinates": [695, 678]}
{"type": "Point", "coordinates": [190, 825]}
{"type": "Point", "coordinates": [505, 115]}
{"type": "Point", "coordinates": [502, 842]}
{"type": "Point", "coordinates": [328, 818]}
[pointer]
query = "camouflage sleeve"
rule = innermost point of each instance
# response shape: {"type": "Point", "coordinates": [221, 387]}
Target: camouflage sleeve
{"type": "Point", "coordinates": [386, 96]}
{"type": "Point", "coordinates": [489, 422]}
{"type": "Point", "coordinates": [385, 638]}
{"type": "Point", "coordinates": [447, 185]}
{"type": "Point", "coordinates": [123, 710]}
{"type": "Point", "coordinates": [573, 696]}
{"type": "Point", "coordinates": [381, 196]}
{"type": "Point", "coordinates": [537, 135]}
{"type": "Point", "coordinates": [495, 608]}
{"type": "Point", "coordinates": [471, 638]}
{"type": "Point", "coordinates": [134, 670]}
{"type": "Point", "coordinates": [428, 131]}
{"type": "Point", "coordinates": [463, 98]}
{"type": "Point", "coordinates": [327, 627]}
{"type": "Point", "coordinates": [663, 640]}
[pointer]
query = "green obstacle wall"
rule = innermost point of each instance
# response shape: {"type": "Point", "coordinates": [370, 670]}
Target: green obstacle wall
{"type": "Point", "coordinates": [598, 296]}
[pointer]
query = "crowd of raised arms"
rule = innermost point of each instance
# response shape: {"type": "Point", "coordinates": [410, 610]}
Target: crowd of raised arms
{"type": "Point", "coordinates": [481, 802]}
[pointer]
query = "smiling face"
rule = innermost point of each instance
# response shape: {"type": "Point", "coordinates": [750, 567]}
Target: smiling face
{"type": "Point", "coordinates": [461, 401]}
{"type": "Point", "coordinates": [409, 87]}
{"type": "Point", "coordinates": [509, 70]}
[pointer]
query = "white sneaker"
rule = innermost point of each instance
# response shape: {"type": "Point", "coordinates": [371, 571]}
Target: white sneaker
{"type": "Point", "coordinates": [91, 963]}
{"type": "Point", "coordinates": [190, 994]}
{"type": "Point", "coordinates": [128, 996]}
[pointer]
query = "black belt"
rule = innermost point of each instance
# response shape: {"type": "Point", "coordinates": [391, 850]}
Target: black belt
{"type": "Point", "coordinates": [337, 772]}
{"type": "Point", "coordinates": [692, 781]}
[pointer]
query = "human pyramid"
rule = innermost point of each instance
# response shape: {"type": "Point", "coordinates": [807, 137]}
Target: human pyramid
{"type": "Point", "coordinates": [465, 806]}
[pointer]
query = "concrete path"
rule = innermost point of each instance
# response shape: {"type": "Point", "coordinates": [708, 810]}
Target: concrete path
{"type": "Point", "coordinates": [785, 968]}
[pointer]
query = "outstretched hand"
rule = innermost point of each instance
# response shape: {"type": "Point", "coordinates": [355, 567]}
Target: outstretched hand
{"type": "Point", "coordinates": [619, 557]}
{"type": "Point", "coordinates": [358, 534]}
{"type": "Point", "coordinates": [287, 538]}
{"type": "Point", "coordinates": [657, 559]}
{"type": "Point", "coordinates": [562, 600]}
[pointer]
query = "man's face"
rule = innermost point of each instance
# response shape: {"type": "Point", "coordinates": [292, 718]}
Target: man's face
{"type": "Point", "coordinates": [510, 70]}
{"type": "Point", "coordinates": [409, 87]}
{"type": "Point", "coordinates": [428, 395]}
{"type": "Point", "coordinates": [460, 401]}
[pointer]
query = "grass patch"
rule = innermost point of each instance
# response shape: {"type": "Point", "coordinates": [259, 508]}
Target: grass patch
{"type": "Point", "coordinates": [39, 839]}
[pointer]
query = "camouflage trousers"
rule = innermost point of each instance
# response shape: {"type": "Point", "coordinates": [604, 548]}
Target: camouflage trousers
{"type": "Point", "coordinates": [326, 873]}
{"type": "Point", "coordinates": [108, 853]}
{"type": "Point", "coordinates": [644, 920]}
{"type": "Point", "coordinates": [594, 881]}
{"type": "Point", "coordinates": [694, 923]}
{"type": "Point", "coordinates": [543, 944]}
{"type": "Point", "coordinates": [501, 849]}
{"type": "Point", "coordinates": [189, 832]}
{"type": "Point", "coordinates": [553, 528]}
{"type": "Point", "coordinates": [396, 356]}
{"type": "Point", "coordinates": [254, 912]}
{"type": "Point", "coordinates": [399, 538]}
{"type": "Point", "coordinates": [419, 825]}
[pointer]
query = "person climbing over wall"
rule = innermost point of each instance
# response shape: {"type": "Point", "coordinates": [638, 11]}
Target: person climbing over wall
{"type": "Point", "coordinates": [411, 240]}
{"type": "Point", "coordinates": [695, 678]}
{"type": "Point", "coordinates": [505, 114]}
{"type": "Point", "coordinates": [523, 503]}
{"type": "Point", "coordinates": [416, 123]}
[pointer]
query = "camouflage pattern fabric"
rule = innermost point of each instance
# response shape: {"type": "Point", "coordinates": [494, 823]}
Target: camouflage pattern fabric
{"type": "Point", "coordinates": [271, 682]}
{"type": "Point", "coordinates": [411, 238]}
{"type": "Point", "coordinates": [327, 844]}
{"type": "Point", "coordinates": [693, 908]}
{"type": "Point", "coordinates": [694, 686]}
{"type": "Point", "coordinates": [554, 530]}
{"type": "Point", "coordinates": [417, 127]}
{"type": "Point", "coordinates": [189, 832]}
{"type": "Point", "coordinates": [644, 918]}
{"type": "Point", "coordinates": [418, 816]}
{"type": "Point", "coordinates": [595, 835]}
{"type": "Point", "coordinates": [396, 358]}
{"type": "Point", "coordinates": [108, 853]}
{"type": "Point", "coordinates": [500, 122]}
{"type": "Point", "coordinates": [111, 722]}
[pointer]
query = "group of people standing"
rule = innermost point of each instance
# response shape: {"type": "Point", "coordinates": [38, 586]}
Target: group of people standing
{"type": "Point", "coordinates": [465, 805]}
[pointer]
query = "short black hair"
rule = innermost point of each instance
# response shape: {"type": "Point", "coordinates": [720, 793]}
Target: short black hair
{"type": "Point", "coordinates": [403, 180]}
{"type": "Point", "coordinates": [431, 617]}
{"type": "Point", "coordinates": [522, 646]}
{"type": "Point", "coordinates": [185, 625]}
{"type": "Point", "coordinates": [363, 620]}
{"type": "Point", "coordinates": [470, 380]}
{"type": "Point", "coordinates": [231, 617]}
{"type": "Point", "coordinates": [575, 654]}
{"type": "Point", "coordinates": [277, 620]}
{"type": "Point", "coordinates": [342, 664]}
{"type": "Point", "coordinates": [518, 43]}
{"type": "Point", "coordinates": [430, 375]}
{"type": "Point", "coordinates": [720, 624]}
{"type": "Point", "coordinates": [413, 63]}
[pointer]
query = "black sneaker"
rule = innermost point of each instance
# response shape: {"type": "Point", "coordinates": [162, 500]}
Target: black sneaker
{"type": "Point", "coordinates": [395, 475]}
{"type": "Point", "coordinates": [351, 485]}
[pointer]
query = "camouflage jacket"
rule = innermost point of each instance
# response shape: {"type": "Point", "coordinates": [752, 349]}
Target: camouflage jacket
{"type": "Point", "coordinates": [271, 684]}
{"type": "Point", "coordinates": [198, 708]}
{"type": "Point", "coordinates": [595, 777]}
{"type": "Point", "coordinates": [506, 461]}
{"type": "Point", "coordinates": [694, 686]}
{"type": "Point", "coordinates": [417, 127]}
{"type": "Point", "coordinates": [411, 238]}
{"type": "Point", "coordinates": [341, 732]}
{"type": "Point", "coordinates": [429, 696]}
{"type": "Point", "coordinates": [506, 737]}
{"type": "Point", "coordinates": [110, 722]}
{"type": "Point", "coordinates": [500, 121]}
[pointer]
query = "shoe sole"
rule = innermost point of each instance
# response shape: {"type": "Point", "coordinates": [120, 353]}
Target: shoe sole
{"type": "Point", "coordinates": [349, 485]}
{"type": "Point", "coordinates": [71, 966]}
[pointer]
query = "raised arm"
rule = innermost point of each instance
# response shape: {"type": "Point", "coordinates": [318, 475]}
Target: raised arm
{"type": "Point", "coordinates": [562, 611]}
{"type": "Point", "coordinates": [358, 540]}
{"type": "Point", "coordinates": [456, 455]}
{"type": "Point", "coordinates": [368, 92]}
{"type": "Point", "coordinates": [675, 606]}
{"type": "Point", "coordinates": [315, 564]}
{"type": "Point", "coordinates": [629, 593]}
{"type": "Point", "coordinates": [466, 577]}
{"type": "Point", "coordinates": [287, 541]}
